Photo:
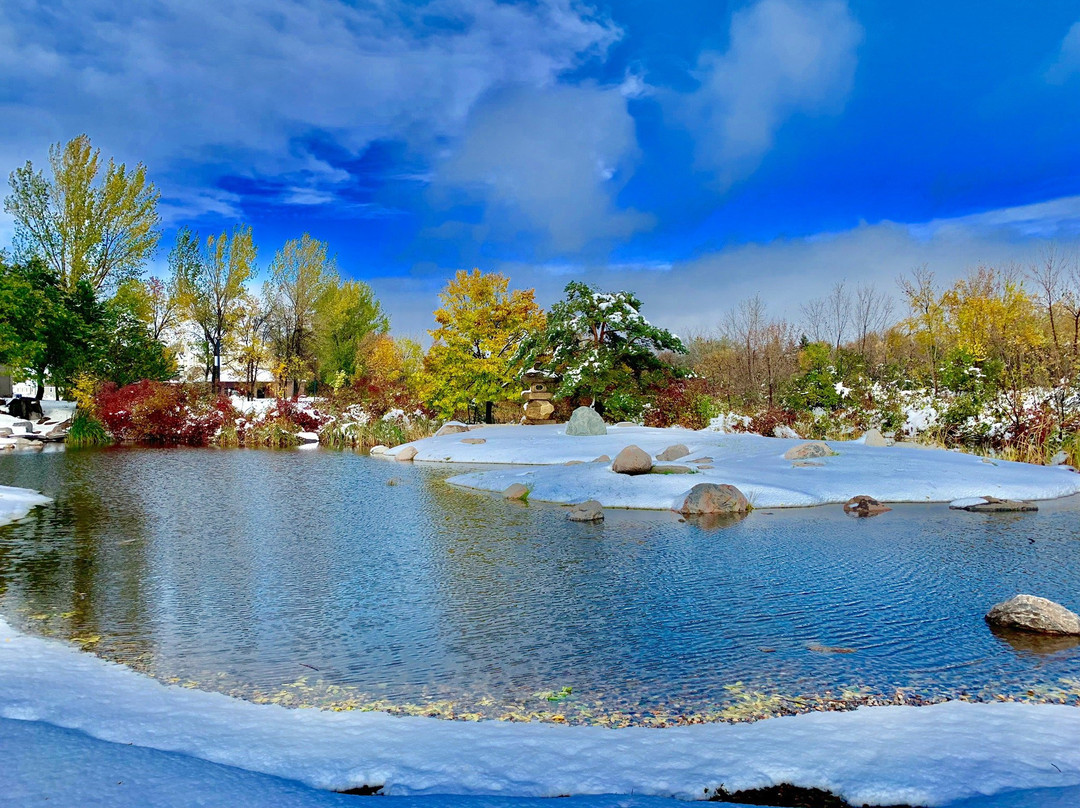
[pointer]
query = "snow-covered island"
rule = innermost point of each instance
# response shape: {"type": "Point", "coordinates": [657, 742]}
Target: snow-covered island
{"type": "Point", "coordinates": [562, 468]}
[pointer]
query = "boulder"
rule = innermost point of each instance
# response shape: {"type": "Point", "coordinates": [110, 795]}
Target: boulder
{"type": "Point", "coordinates": [672, 469]}
{"type": "Point", "coordinates": [673, 452]}
{"type": "Point", "coordinates": [706, 498]}
{"type": "Point", "coordinates": [378, 450]}
{"type": "Point", "coordinates": [474, 441]}
{"type": "Point", "coordinates": [873, 437]}
{"type": "Point", "coordinates": [602, 459]}
{"type": "Point", "coordinates": [585, 421]}
{"type": "Point", "coordinates": [807, 464]}
{"type": "Point", "coordinates": [591, 511]}
{"type": "Point", "coordinates": [408, 453]}
{"type": "Point", "coordinates": [5, 432]}
{"type": "Point", "coordinates": [394, 481]}
{"type": "Point", "coordinates": [1031, 613]}
{"type": "Point", "coordinates": [626, 423]}
{"type": "Point", "coordinates": [632, 460]}
{"type": "Point", "coordinates": [516, 491]}
{"type": "Point", "coordinates": [805, 451]}
{"type": "Point", "coordinates": [451, 428]}
{"type": "Point", "coordinates": [863, 505]}
{"type": "Point", "coordinates": [995, 505]}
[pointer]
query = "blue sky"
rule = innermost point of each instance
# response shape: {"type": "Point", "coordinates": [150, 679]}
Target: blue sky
{"type": "Point", "coordinates": [696, 152]}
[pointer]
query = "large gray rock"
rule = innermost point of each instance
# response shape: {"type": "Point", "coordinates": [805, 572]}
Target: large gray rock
{"type": "Point", "coordinates": [673, 452]}
{"type": "Point", "coordinates": [451, 428]}
{"type": "Point", "coordinates": [708, 498]}
{"type": "Point", "coordinates": [632, 460]}
{"type": "Point", "coordinates": [873, 437]}
{"type": "Point", "coordinates": [805, 451]}
{"type": "Point", "coordinates": [585, 421]}
{"type": "Point", "coordinates": [408, 453]}
{"type": "Point", "coordinates": [591, 511]}
{"type": "Point", "coordinates": [1031, 613]}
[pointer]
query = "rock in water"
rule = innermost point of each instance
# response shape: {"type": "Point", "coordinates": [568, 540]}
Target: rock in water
{"type": "Point", "coordinates": [863, 505]}
{"type": "Point", "coordinates": [995, 505]}
{"type": "Point", "coordinates": [378, 449]}
{"type": "Point", "coordinates": [602, 459]}
{"type": "Point", "coordinates": [585, 421]}
{"type": "Point", "coordinates": [516, 491]}
{"type": "Point", "coordinates": [451, 428]}
{"type": "Point", "coordinates": [804, 451]}
{"type": "Point", "coordinates": [1031, 613]}
{"type": "Point", "coordinates": [632, 460]}
{"type": "Point", "coordinates": [673, 452]}
{"type": "Point", "coordinates": [707, 498]}
{"type": "Point", "coordinates": [408, 453]}
{"type": "Point", "coordinates": [591, 511]}
{"type": "Point", "coordinates": [873, 437]}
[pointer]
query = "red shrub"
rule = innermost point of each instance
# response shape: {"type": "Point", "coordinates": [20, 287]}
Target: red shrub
{"type": "Point", "coordinates": [765, 423]}
{"type": "Point", "coordinates": [681, 402]}
{"type": "Point", "coordinates": [307, 420]}
{"type": "Point", "coordinates": [162, 414]}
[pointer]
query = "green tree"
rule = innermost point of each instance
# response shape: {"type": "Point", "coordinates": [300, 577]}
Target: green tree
{"type": "Point", "coordinates": [86, 229]}
{"type": "Point", "coordinates": [47, 332]}
{"type": "Point", "coordinates": [346, 314]}
{"type": "Point", "coordinates": [210, 280]}
{"type": "Point", "coordinates": [599, 343]}
{"type": "Point", "coordinates": [128, 349]}
{"type": "Point", "coordinates": [300, 274]}
{"type": "Point", "coordinates": [481, 324]}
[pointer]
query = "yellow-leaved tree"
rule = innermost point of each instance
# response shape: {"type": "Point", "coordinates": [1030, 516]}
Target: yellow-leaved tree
{"type": "Point", "coordinates": [481, 323]}
{"type": "Point", "coordinates": [85, 227]}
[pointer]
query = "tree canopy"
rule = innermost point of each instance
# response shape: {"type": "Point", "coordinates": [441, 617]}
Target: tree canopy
{"type": "Point", "coordinates": [481, 324]}
{"type": "Point", "coordinates": [598, 342]}
{"type": "Point", "coordinates": [84, 228]}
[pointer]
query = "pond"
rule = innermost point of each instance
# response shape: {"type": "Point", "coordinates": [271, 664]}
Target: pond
{"type": "Point", "coordinates": [304, 578]}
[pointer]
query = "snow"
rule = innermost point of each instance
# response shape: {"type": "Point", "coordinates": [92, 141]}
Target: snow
{"type": "Point", "coordinates": [880, 755]}
{"type": "Point", "coordinates": [65, 767]}
{"type": "Point", "coordinates": [15, 503]}
{"type": "Point", "coordinates": [752, 463]}
{"type": "Point", "coordinates": [966, 502]}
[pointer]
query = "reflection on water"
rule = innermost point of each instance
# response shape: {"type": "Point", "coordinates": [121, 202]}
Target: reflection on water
{"type": "Point", "coordinates": [302, 577]}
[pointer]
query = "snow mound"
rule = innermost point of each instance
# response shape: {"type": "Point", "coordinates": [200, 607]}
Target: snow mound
{"type": "Point", "coordinates": [752, 463]}
{"type": "Point", "coordinates": [15, 503]}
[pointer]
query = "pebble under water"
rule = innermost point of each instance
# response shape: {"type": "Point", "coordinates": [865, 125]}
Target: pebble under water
{"type": "Point", "coordinates": [307, 578]}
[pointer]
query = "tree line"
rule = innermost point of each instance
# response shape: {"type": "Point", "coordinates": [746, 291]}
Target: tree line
{"type": "Point", "coordinates": [73, 300]}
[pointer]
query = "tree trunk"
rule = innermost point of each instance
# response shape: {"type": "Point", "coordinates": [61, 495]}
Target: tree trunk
{"type": "Point", "coordinates": [489, 412]}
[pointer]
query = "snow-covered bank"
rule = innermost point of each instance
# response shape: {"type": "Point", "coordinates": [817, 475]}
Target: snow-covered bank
{"type": "Point", "coordinates": [920, 755]}
{"type": "Point", "coordinates": [752, 463]}
{"type": "Point", "coordinates": [15, 503]}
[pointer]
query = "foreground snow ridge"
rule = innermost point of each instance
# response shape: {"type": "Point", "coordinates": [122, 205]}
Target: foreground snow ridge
{"type": "Point", "coordinates": [752, 463]}
{"type": "Point", "coordinates": [880, 755]}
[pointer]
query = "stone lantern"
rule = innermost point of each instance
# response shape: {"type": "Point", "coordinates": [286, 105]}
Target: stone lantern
{"type": "Point", "coordinates": [538, 406]}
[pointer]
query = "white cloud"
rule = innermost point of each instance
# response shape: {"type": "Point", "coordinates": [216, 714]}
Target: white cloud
{"type": "Point", "coordinates": [1067, 63]}
{"type": "Point", "coordinates": [785, 57]}
{"type": "Point", "coordinates": [694, 295]}
{"type": "Point", "coordinates": [548, 162]}
{"type": "Point", "coordinates": [212, 87]}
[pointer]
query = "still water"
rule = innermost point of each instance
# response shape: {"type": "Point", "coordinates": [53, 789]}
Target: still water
{"type": "Point", "coordinates": [303, 577]}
